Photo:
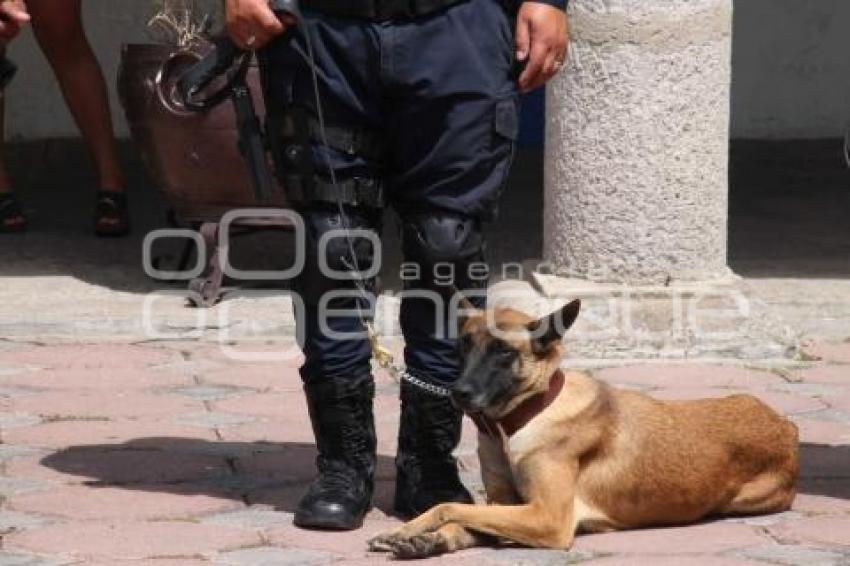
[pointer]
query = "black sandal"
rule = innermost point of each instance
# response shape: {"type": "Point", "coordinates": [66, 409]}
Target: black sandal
{"type": "Point", "coordinates": [12, 218]}
{"type": "Point", "coordinates": [111, 217]}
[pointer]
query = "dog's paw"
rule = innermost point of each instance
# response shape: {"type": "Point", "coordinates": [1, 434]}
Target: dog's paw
{"type": "Point", "coordinates": [418, 546]}
{"type": "Point", "coordinates": [384, 541]}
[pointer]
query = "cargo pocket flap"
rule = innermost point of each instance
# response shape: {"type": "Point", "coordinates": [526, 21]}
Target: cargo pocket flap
{"type": "Point", "coordinates": [507, 119]}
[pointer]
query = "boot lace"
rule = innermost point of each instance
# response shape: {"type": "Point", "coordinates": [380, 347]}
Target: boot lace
{"type": "Point", "coordinates": [335, 477]}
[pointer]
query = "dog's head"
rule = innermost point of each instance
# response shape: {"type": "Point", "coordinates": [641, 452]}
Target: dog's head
{"type": "Point", "coordinates": [507, 356]}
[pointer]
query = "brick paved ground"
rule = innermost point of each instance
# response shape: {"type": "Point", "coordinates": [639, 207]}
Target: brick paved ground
{"type": "Point", "coordinates": [171, 453]}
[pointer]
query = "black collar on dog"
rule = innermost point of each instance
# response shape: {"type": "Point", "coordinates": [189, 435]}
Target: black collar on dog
{"type": "Point", "coordinates": [505, 427]}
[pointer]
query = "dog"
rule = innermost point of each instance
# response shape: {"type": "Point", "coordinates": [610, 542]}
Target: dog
{"type": "Point", "coordinates": [563, 453]}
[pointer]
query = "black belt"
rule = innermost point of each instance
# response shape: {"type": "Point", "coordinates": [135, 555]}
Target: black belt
{"type": "Point", "coordinates": [378, 10]}
{"type": "Point", "coordinates": [351, 141]}
{"type": "Point", "coordinates": [351, 192]}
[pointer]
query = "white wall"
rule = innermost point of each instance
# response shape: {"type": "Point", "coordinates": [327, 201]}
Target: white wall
{"type": "Point", "coordinates": [34, 107]}
{"type": "Point", "coordinates": [791, 68]}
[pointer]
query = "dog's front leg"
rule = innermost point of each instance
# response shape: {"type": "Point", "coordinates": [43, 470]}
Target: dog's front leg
{"type": "Point", "coordinates": [546, 521]}
{"type": "Point", "coordinates": [536, 525]}
{"type": "Point", "coordinates": [448, 538]}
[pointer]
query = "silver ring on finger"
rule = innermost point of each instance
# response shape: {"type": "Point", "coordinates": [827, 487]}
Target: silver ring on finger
{"type": "Point", "coordinates": [251, 41]}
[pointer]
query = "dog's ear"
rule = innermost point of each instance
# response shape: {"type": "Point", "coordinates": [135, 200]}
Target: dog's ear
{"type": "Point", "coordinates": [550, 330]}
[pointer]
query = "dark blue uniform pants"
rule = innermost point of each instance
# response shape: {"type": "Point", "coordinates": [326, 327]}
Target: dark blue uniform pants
{"type": "Point", "coordinates": [440, 91]}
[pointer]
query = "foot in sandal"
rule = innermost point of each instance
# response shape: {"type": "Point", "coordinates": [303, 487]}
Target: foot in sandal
{"type": "Point", "coordinates": [12, 218]}
{"type": "Point", "coordinates": [112, 218]}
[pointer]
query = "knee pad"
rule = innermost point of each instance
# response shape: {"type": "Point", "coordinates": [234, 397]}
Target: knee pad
{"type": "Point", "coordinates": [329, 265]}
{"type": "Point", "coordinates": [446, 249]}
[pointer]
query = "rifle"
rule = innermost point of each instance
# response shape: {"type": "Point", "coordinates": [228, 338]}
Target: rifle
{"type": "Point", "coordinates": [227, 60]}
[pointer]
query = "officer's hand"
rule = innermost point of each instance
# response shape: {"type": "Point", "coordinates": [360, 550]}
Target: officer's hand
{"type": "Point", "coordinates": [542, 40]}
{"type": "Point", "coordinates": [251, 24]}
{"type": "Point", "coordinates": [13, 16]}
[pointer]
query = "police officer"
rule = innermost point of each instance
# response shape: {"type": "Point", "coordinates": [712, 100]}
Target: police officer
{"type": "Point", "coordinates": [420, 104]}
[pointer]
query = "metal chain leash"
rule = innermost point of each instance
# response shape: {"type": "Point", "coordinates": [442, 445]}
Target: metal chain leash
{"type": "Point", "coordinates": [384, 358]}
{"type": "Point", "coordinates": [436, 390]}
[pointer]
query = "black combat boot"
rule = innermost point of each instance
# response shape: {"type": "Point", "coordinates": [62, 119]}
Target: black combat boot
{"type": "Point", "coordinates": [426, 470]}
{"type": "Point", "coordinates": [341, 413]}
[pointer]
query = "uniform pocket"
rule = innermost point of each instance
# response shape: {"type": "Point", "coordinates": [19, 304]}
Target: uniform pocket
{"type": "Point", "coordinates": [505, 135]}
{"type": "Point", "coordinates": [505, 123]}
{"type": "Point", "coordinates": [506, 118]}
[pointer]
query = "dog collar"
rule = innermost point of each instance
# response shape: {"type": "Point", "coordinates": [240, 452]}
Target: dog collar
{"type": "Point", "coordinates": [524, 413]}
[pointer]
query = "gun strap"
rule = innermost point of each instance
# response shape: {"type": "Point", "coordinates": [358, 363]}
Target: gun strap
{"type": "Point", "coordinates": [358, 191]}
{"type": "Point", "coordinates": [351, 141]}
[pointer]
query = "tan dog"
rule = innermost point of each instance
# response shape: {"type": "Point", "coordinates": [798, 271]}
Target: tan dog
{"type": "Point", "coordinates": [563, 452]}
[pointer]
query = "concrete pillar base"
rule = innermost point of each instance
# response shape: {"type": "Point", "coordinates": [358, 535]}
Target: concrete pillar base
{"type": "Point", "coordinates": [716, 320]}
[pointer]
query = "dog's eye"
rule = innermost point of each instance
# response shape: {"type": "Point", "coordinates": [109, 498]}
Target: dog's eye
{"type": "Point", "coordinates": [465, 343]}
{"type": "Point", "coordinates": [504, 352]}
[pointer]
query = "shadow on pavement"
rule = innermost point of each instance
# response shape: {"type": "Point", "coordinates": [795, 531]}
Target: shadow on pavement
{"type": "Point", "coordinates": [258, 473]}
{"type": "Point", "coordinates": [277, 474]}
{"type": "Point", "coordinates": [825, 470]}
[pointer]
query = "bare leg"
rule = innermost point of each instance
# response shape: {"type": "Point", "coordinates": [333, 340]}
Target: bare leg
{"type": "Point", "coordinates": [59, 29]}
{"type": "Point", "coordinates": [12, 218]}
{"type": "Point", "coordinates": [5, 183]}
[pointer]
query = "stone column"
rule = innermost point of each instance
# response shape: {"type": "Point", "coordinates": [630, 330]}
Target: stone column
{"type": "Point", "coordinates": [637, 143]}
{"type": "Point", "coordinates": [637, 149]}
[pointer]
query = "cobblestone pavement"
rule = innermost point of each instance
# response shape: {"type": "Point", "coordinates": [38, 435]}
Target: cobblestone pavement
{"type": "Point", "coordinates": [174, 453]}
